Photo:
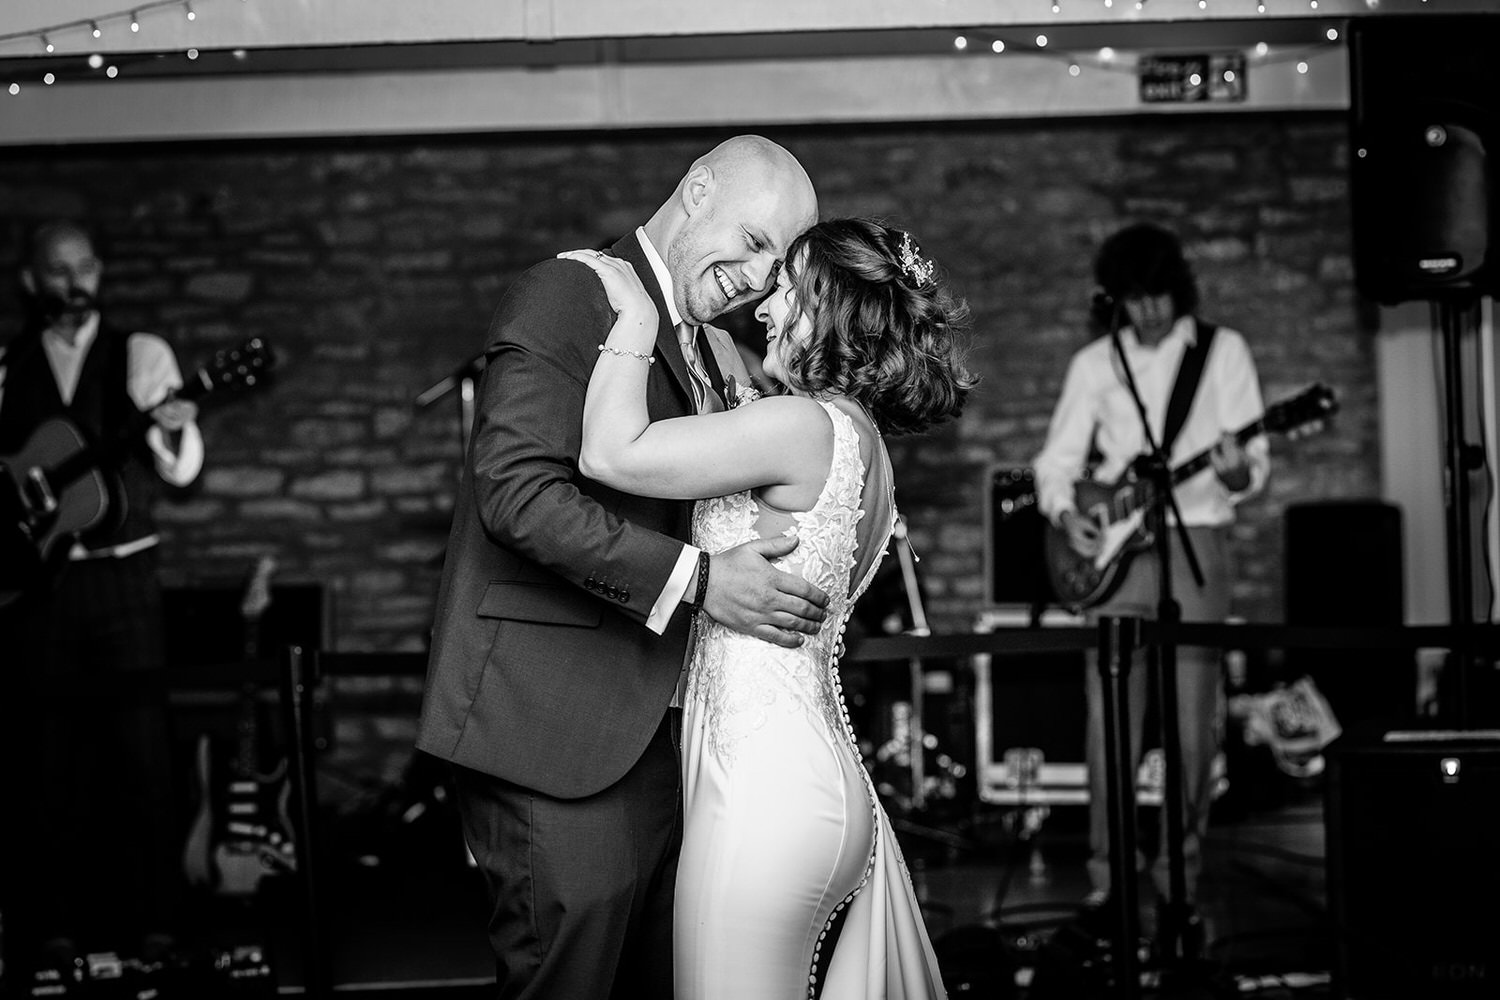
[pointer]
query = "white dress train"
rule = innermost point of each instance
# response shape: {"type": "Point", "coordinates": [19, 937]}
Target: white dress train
{"type": "Point", "coordinates": [791, 883]}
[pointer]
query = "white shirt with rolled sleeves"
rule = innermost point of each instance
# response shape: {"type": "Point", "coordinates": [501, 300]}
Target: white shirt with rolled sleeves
{"type": "Point", "coordinates": [1095, 398]}
{"type": "Point", "coordinates": [687, 562]}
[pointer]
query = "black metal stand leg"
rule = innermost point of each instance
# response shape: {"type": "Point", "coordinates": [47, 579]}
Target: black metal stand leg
{"type": "Point", "coordinates": [1117, 641]}
{"type": "Point", "coordinates": [1175, 912]}
{"type": "Point", "coordinates": [298, 679]}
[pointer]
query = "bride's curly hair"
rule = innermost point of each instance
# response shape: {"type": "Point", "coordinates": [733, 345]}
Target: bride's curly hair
{"type": "Point", "coordinates": [885, 330]}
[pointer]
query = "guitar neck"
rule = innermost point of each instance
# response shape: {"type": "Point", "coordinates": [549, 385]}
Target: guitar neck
{"type": "Point", "coordinates": [1200, 461]}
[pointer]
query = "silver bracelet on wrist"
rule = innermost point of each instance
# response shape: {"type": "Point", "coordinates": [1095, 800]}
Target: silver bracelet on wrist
{"type": "Point", "coordinates": [650, 360]}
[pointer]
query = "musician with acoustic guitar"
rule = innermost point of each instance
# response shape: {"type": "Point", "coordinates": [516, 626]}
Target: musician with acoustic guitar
{"type": "Point", "coordinates": [1147, 292]}
{"type": "Point", "coordinates": [88, 855]}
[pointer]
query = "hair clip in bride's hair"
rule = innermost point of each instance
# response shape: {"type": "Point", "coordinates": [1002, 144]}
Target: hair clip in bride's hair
{"type": "Point", "coordinates": [916, 267]}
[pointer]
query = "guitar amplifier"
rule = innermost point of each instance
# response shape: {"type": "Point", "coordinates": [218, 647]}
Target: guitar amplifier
{"type": "Point", "coordinates": [205, 624]}
{"type": "Point", "coordinates": [1412, 874]}
{"type": "Point", "coordinates": [1015, 558]}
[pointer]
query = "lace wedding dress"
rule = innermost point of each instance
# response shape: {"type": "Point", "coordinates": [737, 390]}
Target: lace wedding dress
{"type": "Point", "coordinates": [791, 883]}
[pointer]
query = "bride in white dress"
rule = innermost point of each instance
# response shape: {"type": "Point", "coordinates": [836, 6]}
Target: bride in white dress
{"type": "Point", "coordinates": [790, 883]}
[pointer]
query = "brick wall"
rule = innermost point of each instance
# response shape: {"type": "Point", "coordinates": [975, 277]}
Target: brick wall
{"type": "Point", "coordinates": [373, 267]}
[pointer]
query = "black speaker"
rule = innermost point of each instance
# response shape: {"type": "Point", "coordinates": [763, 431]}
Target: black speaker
{"type": "Point", "coordinates": [205, 624]}
{"type": "Point", "coordinates": [1425, 102]}
{"type": "Point", "coordinates": [1016, 531]}
{"type": "Point", "coordinates": [1343, 566]}
{"type": "Point", "coordinates": [1412, 875]}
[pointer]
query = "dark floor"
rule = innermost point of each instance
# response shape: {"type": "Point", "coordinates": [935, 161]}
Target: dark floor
{"type": "Point", "coordinates": [996, 907]}
{"type": "Point", "coordinates": [406, 915]}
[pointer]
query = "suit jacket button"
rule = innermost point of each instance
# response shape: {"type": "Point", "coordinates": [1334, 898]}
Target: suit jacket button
{"type": "Point", "coordinates": [611, 592]}
{"type": "Point", "coordinates": [624, 597]}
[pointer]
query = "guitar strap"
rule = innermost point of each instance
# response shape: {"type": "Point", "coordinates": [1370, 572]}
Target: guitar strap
{"type": "Point", "coordinates": [1189, 374]}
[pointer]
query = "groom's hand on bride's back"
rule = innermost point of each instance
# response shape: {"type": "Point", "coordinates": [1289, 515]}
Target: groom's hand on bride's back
{"type": "Point", "coordinates": [748, 594]}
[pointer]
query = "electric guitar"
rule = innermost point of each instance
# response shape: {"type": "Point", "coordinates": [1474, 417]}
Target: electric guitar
{"type": "Point", "coordinates": [56, 486]}
{"type": "Point", "coordinates": [1120, 508]}
{"type": "Point", "coordinates": [242, 829]}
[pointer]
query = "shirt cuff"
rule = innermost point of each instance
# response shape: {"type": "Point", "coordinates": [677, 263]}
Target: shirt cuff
{"type": "Point", "coordinates": [181, 467]}
{"type": "Point", "coordinates": [671, 594]}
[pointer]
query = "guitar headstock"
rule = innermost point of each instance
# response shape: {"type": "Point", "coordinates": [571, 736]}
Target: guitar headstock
{"type": "Point", "coordinates": [1303, 414]}
{"type": "Point", "coordinates": [240, 367]}
{"type": "Point", "coordinates": [258, 591]}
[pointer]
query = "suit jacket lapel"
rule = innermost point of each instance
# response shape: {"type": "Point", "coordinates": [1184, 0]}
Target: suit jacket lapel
{"type": "Point", "coordinates": [629, 248]}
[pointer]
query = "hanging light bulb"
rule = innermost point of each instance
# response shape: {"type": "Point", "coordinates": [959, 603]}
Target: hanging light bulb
{"type": "Point", "coordinates": [49, 79]}
{"type": "Point", "coordinates": [95, 61]}
{"type": "Point", "coordinates": [960, 42]}
{"type": "Point", "coordinates": [15, 88]}
{"type": "Point", "coordinates": [135, 21]}
{"type": "Point", "coordinates": [1041, 41]}
{"type": "Point", "coordinates": [47, 44]}
{"type": "Point", "coordinates": [1332, 34]}
{"type": "Point", "coordinates": [192, 53]}
{"type": "Point", "coordinates": [1261, 48]}
{"type": "Point", "coordinates": [112, 72]}
{"type": "Point", "coordinates": [94, 29]}
{"type": "Point", "coordinates": [1057, 8]}
{"type": "Point", "coordinates": [997, 46]}
{"type": "Point", "coordinates": [1302, 67]}
{"type": "Point", "coordinates": [1074, 69]}
{"type": "Point", "coordinates": [192, 15]}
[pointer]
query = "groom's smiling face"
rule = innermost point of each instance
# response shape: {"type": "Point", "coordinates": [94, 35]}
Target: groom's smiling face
{"type": "Point", "coordinates": [729, 250]}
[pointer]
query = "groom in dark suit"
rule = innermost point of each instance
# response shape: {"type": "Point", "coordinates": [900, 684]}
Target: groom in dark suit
{"type": "Point", "coordinates": [563, 615]}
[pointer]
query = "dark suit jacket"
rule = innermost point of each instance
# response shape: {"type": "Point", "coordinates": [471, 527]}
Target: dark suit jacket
{"type": "Point", "coordinates": [542, 671]}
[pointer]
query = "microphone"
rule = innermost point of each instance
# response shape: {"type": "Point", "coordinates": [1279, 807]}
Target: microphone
{"type": "Point", "coordinates": [1104, 309]}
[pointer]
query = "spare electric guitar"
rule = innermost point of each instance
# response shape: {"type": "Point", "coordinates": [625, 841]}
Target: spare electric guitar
{"type": "Point", "coordinates": [57, 487]}
{"type": "Point", "coordinates": [1120, 508]}
{"type": "Point", "coordinates": [242, 829]}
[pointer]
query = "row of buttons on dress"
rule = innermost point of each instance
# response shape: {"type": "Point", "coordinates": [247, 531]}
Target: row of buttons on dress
{"type": "Point", "coordinates": [621, 594]}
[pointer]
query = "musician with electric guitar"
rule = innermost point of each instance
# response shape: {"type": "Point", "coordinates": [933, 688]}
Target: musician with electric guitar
{"type": "Point", "coordinates": [94, 421]}
{"type": "Point", "coordinates": [1199, 387]}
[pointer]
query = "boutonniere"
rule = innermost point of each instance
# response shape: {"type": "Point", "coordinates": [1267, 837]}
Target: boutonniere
{"type": "Point", "coordinates": [739, 394]}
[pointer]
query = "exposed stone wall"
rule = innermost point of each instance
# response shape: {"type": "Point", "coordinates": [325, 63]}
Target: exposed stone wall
{"type": "Point", "coordinates": [374, 266]}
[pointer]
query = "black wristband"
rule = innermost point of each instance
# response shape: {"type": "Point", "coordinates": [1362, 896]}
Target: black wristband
{"type": "Point", "coordinates": [702, 592]}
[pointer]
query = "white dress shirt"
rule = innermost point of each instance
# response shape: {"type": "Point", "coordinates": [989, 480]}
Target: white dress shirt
{"type": "Point", "coordinates": [687, 563]}
{"type": "Point", "coordinates": [1095, 400]}
{"type": "Point", "coordinates": [151, 373]}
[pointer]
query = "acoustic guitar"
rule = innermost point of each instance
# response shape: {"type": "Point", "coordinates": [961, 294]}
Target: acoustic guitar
{"type": "Point", "coordinates": [1120, 508]}
{"type": "Point", "coordinates": [57, 487]}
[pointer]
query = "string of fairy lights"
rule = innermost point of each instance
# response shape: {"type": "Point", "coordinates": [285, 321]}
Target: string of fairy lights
{"type": "Point", "coordinates": [1107, 59]}
{"type": "Point", "coordinates": [130, 19]}
{"type": "Point", "coordinates": [134, 17]}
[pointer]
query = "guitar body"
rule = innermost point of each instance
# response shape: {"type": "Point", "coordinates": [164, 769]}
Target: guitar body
{"type": "Point", "coordinates": [1084, 581]}
{"type": "Point", "coordinates": [1119, 508]}
{"type": "Point", "coordinates": [37, 538]}
{"type": "Point", "coordinates": [53, 488]}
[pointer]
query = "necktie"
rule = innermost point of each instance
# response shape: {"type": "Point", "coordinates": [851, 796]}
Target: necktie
{"type": "Point", "coordinates": [704, 397]}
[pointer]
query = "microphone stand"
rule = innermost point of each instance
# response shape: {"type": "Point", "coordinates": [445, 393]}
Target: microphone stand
{"type": "Point", "coordinates": [1162, 657]}
{"type": "Point", "coordinates": [461, 378]}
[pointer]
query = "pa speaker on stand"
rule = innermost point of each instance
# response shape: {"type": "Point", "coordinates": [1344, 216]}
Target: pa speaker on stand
{"type": "Point", "coordinates": [1425, 97]}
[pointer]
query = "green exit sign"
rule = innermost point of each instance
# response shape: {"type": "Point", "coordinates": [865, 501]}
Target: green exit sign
{"type": "Point", "coordinates": [1184, 79]}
